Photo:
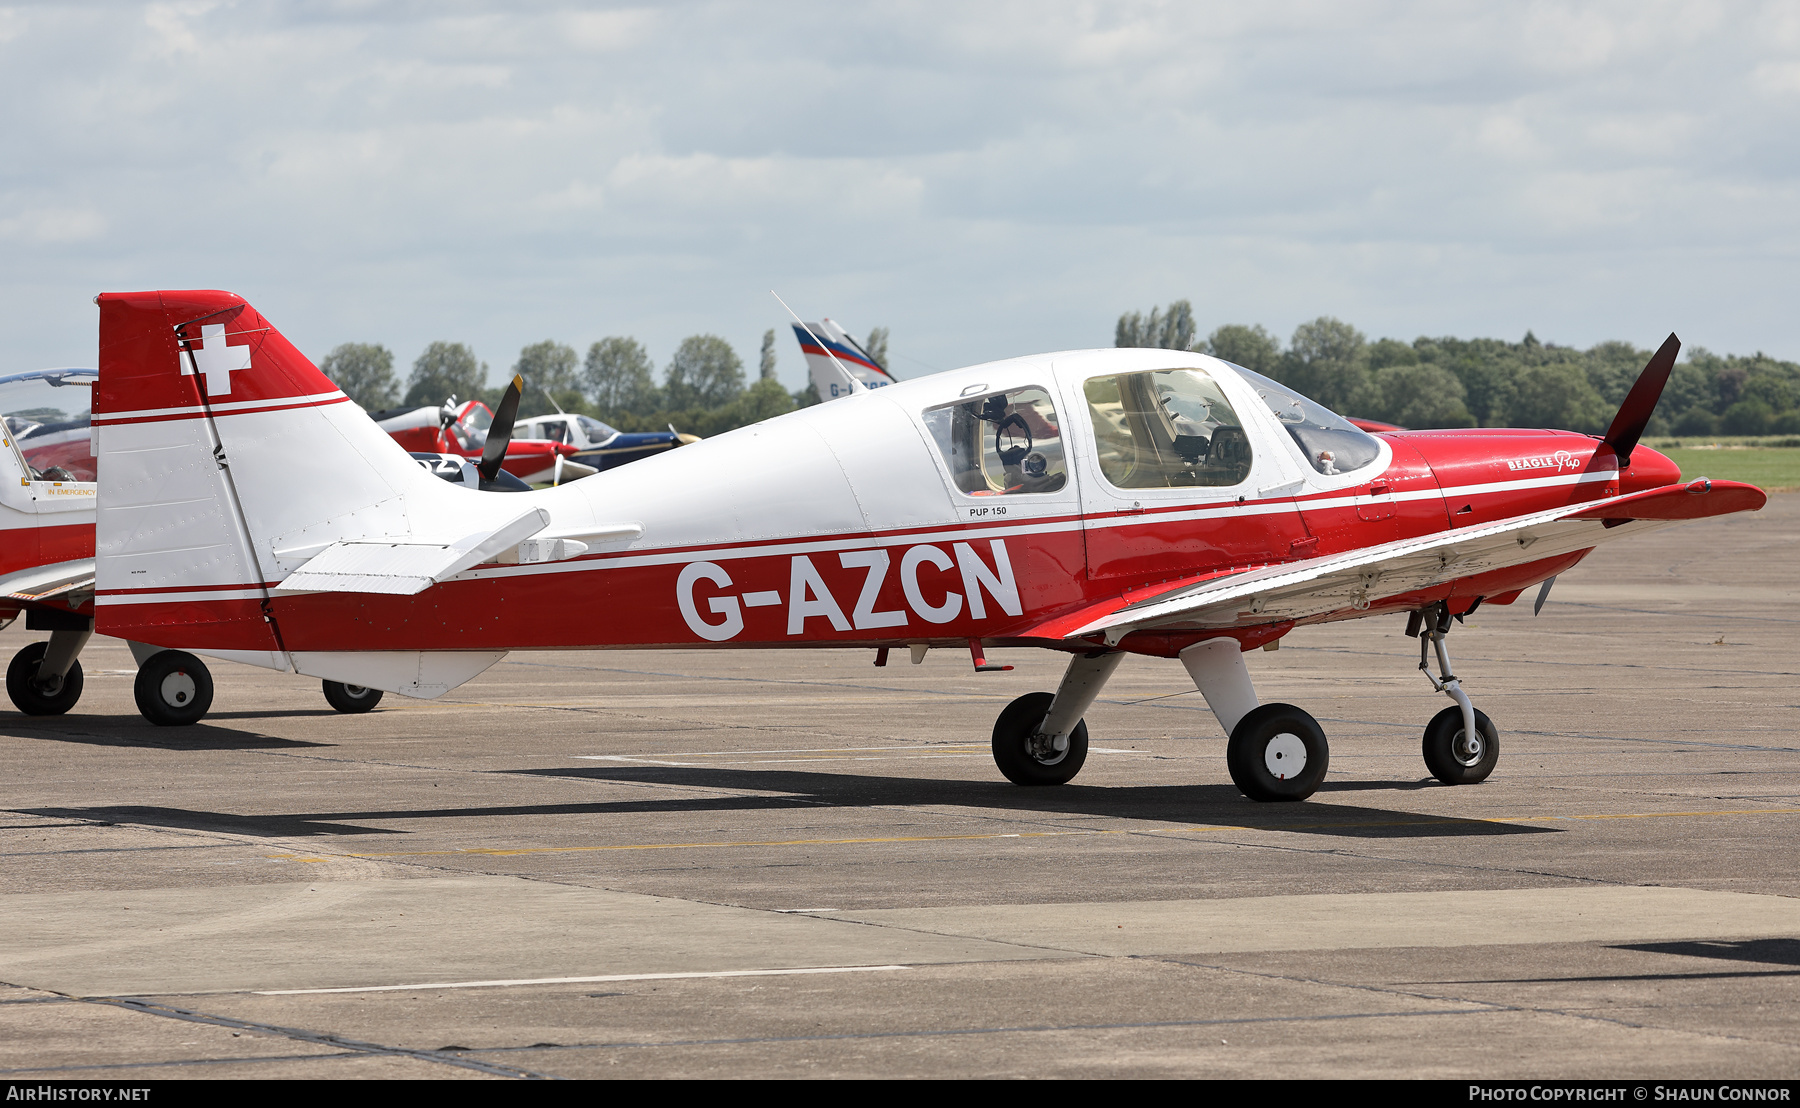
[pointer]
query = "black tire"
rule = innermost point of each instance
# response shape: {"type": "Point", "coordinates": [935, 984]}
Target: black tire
{"type": "Point", "coordinates": [1019, 753]}
{"type": "Point", "coordinates": [21, 684]}
{"type": "Point", "coordinates": [1266, 742]}
{"type": "Point", "coordinates": [173, 689]}
{"type": "Point", "coordinates": [1447, 758]}
{"type": "Point", "coordinates": [351, 698]}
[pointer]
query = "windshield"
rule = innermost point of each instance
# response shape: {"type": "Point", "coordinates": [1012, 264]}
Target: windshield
{"type": "Point", "coordinates": [1330, 442]}
{"type": "Point", "coordinates": [596, 431]}
{"type": "Point", "coordinates": [46, 415]}
{"type": "Point", "coordinates": [478, 418]}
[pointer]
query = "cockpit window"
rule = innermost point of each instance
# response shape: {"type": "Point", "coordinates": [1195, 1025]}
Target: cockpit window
{"type": "Point", "coordinates": [1330, 442]}
{"type": "Point", "coordinates": [1166, 429]}
{"type": "Point", "coordinates": [1001, 445]}
{"type": "Point", "coordinates": [596, 431]}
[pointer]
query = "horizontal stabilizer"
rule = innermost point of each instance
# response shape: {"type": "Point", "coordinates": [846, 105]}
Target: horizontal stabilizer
{"type": "Point", "coordinates": [405, 566]}
{"type": "Point", "coordinates": [40, 583]}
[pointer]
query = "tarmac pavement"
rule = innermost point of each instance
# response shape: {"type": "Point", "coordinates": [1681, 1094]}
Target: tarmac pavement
{"type": "Point", "coordinates": [778, 864]}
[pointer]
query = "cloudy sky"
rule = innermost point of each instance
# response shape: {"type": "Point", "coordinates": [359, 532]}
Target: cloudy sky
{"type": "Point", "coordinates": [985, 179]}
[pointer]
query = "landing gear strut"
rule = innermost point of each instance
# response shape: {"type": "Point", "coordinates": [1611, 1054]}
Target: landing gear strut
{"type": "Point", "coordinates": [1275, 751]}
{"type": "Point", "coordinates": [1461, 744]}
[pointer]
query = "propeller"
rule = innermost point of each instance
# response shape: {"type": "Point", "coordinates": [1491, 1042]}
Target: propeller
{"type": "Point", "coordinates": [499, 435]}
{"type": "Point", "coordinates": [1634, 415]}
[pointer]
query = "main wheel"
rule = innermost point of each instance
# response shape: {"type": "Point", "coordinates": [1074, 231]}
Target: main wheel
{"type": "Point", "coordinates": [1028, 758]}
{"type": "Point", "coordinates": [22, 684]}
{"type": "Point", "coordinates": [351, 698]}
{"type": "Point", "coordinates": [1277, 752]}
{"type": "Point", "coordinates": [1449, 753]}
{"type": "Point", "coordinates": [173, 688]}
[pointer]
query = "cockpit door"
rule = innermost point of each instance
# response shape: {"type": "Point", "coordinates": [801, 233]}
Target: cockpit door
{"type": "Point", "coordinates": [1178, 475]}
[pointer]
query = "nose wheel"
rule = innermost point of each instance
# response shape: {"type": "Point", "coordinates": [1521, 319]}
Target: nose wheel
{"type": "Point", "coordinates": [1456, 757]}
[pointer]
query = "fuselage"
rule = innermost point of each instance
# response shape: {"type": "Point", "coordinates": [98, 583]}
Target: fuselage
{"type": "Point", "coordinates": [851, 523]}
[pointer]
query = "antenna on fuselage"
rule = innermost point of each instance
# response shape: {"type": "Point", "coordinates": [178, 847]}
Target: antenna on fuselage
{"type": "Point", "coordinates": [856, 386]}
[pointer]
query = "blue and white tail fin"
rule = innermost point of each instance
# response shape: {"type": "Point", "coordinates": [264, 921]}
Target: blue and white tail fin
{"type": "Point", "coordinates": [836, 362]}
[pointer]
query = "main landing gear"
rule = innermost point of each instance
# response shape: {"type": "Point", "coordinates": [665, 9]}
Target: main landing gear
{"type": "Point", "coordinates": [1274, 752]}
{"type": "Point", "coordinates": [44, 679]}
{"type": "Point", "coordinates": [1040, 738]}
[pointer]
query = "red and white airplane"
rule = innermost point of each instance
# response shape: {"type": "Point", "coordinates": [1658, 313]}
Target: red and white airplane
{"type": "Point", "coordinates": [1096, 503]}
{"type": "Point", "coordinates": [47, 497]}
{"type": "Point", "coordinates": [462, 429]}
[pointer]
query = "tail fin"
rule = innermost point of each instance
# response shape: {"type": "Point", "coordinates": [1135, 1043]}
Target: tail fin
{"type": "Point", "coordinates": [229, 462]}
{"type": "Point", "coordinates": [831, 354]}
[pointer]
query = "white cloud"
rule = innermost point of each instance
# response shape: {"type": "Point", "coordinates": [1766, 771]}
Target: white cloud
{"type": "Point", "coordinates": [53, 226]}
{"type": "Point", "coordinates": [985, 179]}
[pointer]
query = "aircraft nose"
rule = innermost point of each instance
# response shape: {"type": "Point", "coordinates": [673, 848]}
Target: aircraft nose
{"type": "Point", "coordinates": [1649, 470]}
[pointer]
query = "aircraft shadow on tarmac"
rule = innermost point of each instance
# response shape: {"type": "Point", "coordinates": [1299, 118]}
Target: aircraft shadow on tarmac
{"type": "Point", "coordinates": [134, 730]}
{"type": "Point", "coordinates": [1766, 952]}
{"type": "Point", "coordinates": [1219, 805]}
{"type": "Point", "coordinates": [1215, 804]}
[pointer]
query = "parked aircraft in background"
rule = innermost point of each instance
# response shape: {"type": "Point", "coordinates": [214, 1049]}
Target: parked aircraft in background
{"type": "Point", "coordinates": [462, 428]}
{"type": "Point", "coordinates": [47, 497]}
{"type": "Point", "coordinates": [836, 362]}
{"type": "Point", "coordinates": [1186, 508]}
{"type": "Point", "coordinates": [597, 445]}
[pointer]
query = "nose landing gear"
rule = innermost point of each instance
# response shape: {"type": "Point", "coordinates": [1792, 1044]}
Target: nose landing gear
{"type": "Point", "coordinates": [1461, 744]}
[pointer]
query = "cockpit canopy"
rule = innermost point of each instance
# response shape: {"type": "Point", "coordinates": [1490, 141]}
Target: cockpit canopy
{"type": "Point", "coordinates": [1156, 428]}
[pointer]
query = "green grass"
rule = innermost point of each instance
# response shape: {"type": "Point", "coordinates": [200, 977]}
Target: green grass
{"type": "Point", "coordinates": [1771, 467]}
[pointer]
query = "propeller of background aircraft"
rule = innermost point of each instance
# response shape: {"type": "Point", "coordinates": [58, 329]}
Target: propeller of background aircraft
{"type": "Point", "coordinates": [499, 434]}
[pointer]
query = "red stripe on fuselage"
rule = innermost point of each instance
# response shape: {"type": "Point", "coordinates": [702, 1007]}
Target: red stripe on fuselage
{"type": "Point", "coordinates": [167, 417]}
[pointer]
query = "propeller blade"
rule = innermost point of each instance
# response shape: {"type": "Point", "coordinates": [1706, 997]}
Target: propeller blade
{"type": "Point", "coordinates": [1543, 595]}
{"type": "Point", "coordinates": [1634, 415]}
{"type": "Point", "coordinates": [499, 435]}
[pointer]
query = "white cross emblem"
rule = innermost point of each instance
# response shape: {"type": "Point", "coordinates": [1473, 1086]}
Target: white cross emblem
{"type": "Point", "coordinates": [215, 359]}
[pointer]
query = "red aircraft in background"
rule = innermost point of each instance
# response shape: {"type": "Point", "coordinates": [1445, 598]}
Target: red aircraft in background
{"type": "Point", "coordinates": [1095, 503]}
{"type": "Point", "coordinates": [462, 429]}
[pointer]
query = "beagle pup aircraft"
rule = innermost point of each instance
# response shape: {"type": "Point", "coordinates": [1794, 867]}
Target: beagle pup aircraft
{"type": "Point", "coordinates": [1096, 503]}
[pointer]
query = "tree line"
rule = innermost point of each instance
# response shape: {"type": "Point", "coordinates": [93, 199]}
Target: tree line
{"type": "Point", "coordinates": [703, 389]}
{"type": "Point", "coordinates": [1452, 382]}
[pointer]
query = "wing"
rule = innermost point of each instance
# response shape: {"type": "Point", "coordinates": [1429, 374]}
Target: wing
{"type": "Point", "coordinates": [1355, 580]}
